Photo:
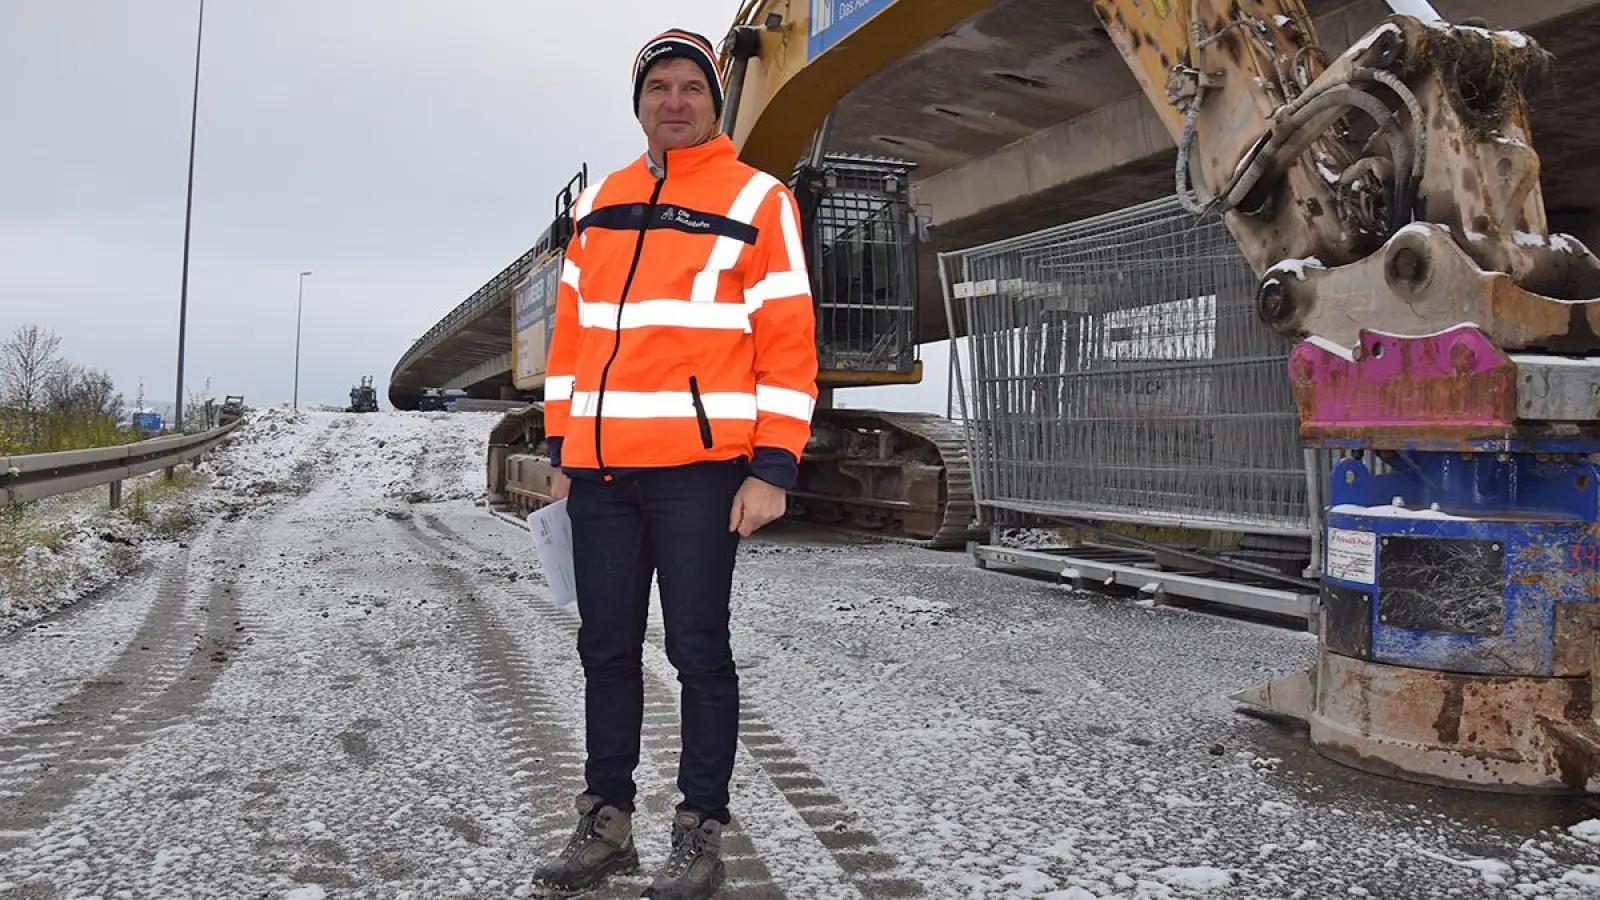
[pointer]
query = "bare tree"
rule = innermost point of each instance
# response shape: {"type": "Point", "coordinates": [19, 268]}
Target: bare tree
{"type": "Point", "coordinates": [76, 391]}
{"type": "Point", "coordinates": [29, 359]}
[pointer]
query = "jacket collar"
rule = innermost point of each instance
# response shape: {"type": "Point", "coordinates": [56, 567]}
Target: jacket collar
{"type": "Point", "coordinates": [686, 160]}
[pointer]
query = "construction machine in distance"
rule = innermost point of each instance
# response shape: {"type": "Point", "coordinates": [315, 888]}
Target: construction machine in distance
{"type": "Point", "coordinates": [363, 397]}
{"type": "Point", "coordinates": [232, 409]}
{"type": "Point", "coordinates": [1389, 201]}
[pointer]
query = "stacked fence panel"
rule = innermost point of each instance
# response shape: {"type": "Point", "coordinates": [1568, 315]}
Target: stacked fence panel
{"type": "Point", "coordinates": [1117, 372]}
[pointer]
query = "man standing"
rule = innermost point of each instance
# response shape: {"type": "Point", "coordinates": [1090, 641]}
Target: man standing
{"type": "Point", "coordinates": [678, 402]}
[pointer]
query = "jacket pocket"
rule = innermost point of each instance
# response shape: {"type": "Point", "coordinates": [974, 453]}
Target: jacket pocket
{"type": "Point", "coordinates": [700, 413]}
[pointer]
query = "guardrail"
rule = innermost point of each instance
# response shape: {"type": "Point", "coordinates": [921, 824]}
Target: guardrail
{"type": "Point", "coordinates": [38, 475]}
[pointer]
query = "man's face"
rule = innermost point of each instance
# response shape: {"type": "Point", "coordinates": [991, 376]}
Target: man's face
{"type": "Point", "coordinates": [675, 105]}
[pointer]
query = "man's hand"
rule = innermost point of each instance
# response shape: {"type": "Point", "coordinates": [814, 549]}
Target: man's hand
{"type": "Point", "coordinates": [560, 484]}
{"type": "Point", "coordinates": [756, 504]}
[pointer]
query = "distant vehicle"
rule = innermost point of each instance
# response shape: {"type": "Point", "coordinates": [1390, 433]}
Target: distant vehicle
{"type": "Point", "coordinates": [440, 399]}
{"type": "Point", "coordinates": [433, 400]}
{"type": "Point", "coordinates": [363, 397]}
{"type": "Point", "coordinates": [232, 410]}
{"type": "Point", "coordinates": [147, 422]}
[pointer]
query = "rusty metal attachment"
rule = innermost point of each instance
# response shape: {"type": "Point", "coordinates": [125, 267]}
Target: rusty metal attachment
{"type": "Point", "coordinates": [1460, 608]}
{"type": "Point", "coordinates": [1394, 187]}
{"type": "Point", "coordinates": [1389, 201]}
{"type": "Point", "coordinates": [1492, 733]}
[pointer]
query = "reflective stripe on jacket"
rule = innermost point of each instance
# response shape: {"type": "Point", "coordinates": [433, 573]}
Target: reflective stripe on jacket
{"type": "Point", "coordinates": [684, 327]}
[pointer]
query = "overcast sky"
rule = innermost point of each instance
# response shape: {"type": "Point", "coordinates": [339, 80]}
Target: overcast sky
{"type": "Point", "coordinates": [404, 151]}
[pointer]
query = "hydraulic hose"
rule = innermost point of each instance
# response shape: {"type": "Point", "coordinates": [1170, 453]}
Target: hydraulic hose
{"type": "Point", "coordinates": [1307, 123]}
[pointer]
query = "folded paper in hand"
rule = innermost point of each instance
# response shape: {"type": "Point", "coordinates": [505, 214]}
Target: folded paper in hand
{"type": "Point", "coordinates": [552, 540]}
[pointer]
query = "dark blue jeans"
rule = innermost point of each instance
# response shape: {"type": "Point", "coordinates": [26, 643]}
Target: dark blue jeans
{"type": "Point", "coordinates": [672, 523]}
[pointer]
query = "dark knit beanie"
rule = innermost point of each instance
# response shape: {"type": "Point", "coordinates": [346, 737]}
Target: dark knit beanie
{"type": "Point", "coordinates": [683, 44]}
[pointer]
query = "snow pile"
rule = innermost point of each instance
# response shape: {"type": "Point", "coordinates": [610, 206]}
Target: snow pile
{"type": "Point", "coordinates": [273, 453]}
{"type": "Point", "coordinates": [1195, 878]}
{"type": "Point", "coordinates": [59, 550]}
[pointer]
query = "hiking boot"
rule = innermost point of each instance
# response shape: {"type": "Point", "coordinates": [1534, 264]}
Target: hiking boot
{"type": "Point", "coordinates": [601, 846]}
{"type": "Point", "coordinates": [694, 869]}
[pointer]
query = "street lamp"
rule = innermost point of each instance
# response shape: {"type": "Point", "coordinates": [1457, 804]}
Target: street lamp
{"type": "Point", "coordinates": [188, 210]}
{"type": "Point", "coordinates": [297, 305]}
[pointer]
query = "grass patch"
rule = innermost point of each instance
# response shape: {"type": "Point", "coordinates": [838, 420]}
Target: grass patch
{"type": "Point", "coordinates": [20, 534]}
{"type": "Point", "coordinates": [54, 432]}
{"type": "Point", "coordinates": [143, 505]}
{"type": "Point", "coordinates": [17, 534]}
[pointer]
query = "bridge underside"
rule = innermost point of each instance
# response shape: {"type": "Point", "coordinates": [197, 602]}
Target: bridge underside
{"type": "Point", "coordinates": [1025, 117]}
{"type": "Point", "coordinates": [475, 357]}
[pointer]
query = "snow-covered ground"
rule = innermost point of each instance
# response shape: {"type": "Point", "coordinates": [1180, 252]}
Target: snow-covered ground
{"type": "Point", "coordinates": [343, 679]}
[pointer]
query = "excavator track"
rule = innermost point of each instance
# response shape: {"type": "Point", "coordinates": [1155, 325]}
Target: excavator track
{"type": "Point", "coordinates": [886, 476]}
{"type": "Point", "coordinates": [896, 476]}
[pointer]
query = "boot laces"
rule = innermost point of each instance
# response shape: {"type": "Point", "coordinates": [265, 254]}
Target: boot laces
{"type": "Point", "coordinates": [588, 830]}
{"type": "Point", "coordinates": [691, 842]}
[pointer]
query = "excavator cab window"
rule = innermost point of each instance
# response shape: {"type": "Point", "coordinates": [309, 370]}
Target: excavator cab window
{"type": "Point", "coordinates": [561, 227]}
{"type": "Point", "coordinates": [857, 223]}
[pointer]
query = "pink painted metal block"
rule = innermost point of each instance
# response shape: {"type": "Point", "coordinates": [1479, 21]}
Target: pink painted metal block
{"type": "Point", "coordinates": [1448, 385]}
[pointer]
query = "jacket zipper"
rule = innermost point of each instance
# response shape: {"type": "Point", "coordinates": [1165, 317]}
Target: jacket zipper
{"type": "Point", "coordinates": [638, 249]}
{"type": "Point", "coordinates": [700, 413]}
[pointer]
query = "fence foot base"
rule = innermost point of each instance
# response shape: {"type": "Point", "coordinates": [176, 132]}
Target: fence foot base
{"type": "Point", "coordinates": [1101, 567]}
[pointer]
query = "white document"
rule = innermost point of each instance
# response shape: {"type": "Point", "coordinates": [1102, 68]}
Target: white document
{"type": "Point", "coordinates": [552, 540]}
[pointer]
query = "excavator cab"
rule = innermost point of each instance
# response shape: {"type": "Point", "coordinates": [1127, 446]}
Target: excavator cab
{"type": "Point", "coordinates": [857, 225]}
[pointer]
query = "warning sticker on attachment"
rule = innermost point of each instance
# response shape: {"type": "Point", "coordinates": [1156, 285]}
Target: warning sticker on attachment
{"type": "Point", "coordinates": [1353, 555]}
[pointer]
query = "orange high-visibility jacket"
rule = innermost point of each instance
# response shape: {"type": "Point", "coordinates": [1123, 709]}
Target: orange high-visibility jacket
{"type": "Point", "coordinates": [684, 328]}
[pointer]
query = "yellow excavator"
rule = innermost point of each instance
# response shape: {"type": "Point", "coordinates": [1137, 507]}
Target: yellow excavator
{"type": "Point", "coordinates": [1388, 199]}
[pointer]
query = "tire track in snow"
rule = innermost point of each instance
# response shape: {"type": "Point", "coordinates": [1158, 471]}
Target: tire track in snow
{"type": "Point", "coordinates": [159, 680]}
{"type": "Point", "coordinates": [871, 870]}
{"type": "Point", "coordinates": [747, 876]}
{"type": "Point", "coordinates": [539, 731]}
{"type": "Point", "coordinates": [542, 751]}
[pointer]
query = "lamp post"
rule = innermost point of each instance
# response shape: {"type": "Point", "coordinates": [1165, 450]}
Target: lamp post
{"type": "Point", "coordinates": [297, 304]}
{"type": "Point", "coordinates": [188, 210]}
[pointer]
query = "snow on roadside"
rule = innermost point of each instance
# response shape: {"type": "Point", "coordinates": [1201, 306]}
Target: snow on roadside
{"type": "Point", "coordinates": [76, 544]}
{"type": "Point", "coordinates": [63, 549]}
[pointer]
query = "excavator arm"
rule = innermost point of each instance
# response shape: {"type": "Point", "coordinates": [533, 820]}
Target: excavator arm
{"type": "Point", "coordinates": [1394, 190]}
{"type": "Point", "coordinates": [789, 62]}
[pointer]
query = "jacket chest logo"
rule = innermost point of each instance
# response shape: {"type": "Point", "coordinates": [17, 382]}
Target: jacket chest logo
{"type": "Point", "coordinates": [638, 216]}
{"type": "Point", "coordinates": [684, 219]}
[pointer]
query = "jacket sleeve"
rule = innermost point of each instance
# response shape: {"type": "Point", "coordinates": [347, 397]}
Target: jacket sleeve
{"type": "Point", "coordinates": [562, 362]}
{"type": "Point", "coordinates": [777, 290]}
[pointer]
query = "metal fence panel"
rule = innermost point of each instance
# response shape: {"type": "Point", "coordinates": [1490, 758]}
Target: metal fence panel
{"type": "Point", "coordinates": [1117, 371]}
